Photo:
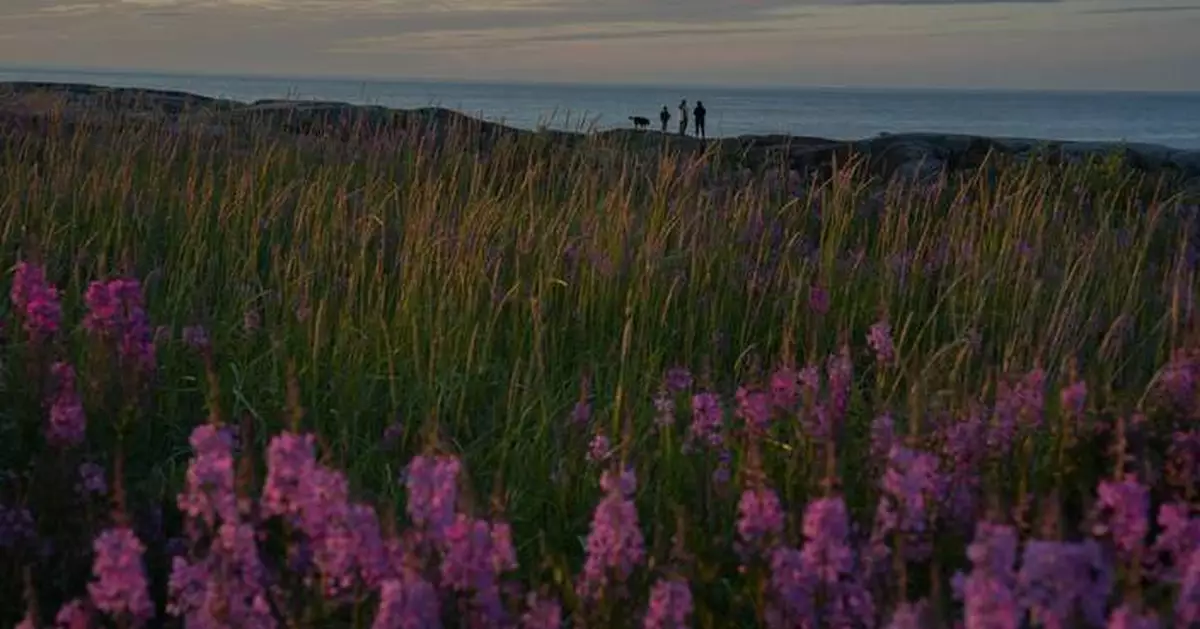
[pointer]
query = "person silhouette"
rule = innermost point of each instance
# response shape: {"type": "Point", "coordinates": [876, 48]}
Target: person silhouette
{"type": "Point", "coordinates": [699, 113]}
{"type": "Point", "coordinates": [683, 115]}
{"type": "Point", "coordinates": [665, 117]}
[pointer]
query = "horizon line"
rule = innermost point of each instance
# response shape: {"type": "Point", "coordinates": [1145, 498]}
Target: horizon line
{"type": "Point", "coordinates": [376, 79]}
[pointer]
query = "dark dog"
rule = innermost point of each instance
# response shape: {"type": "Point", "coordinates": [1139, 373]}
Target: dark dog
{"type": "Point", "coordinates": [640, 122]}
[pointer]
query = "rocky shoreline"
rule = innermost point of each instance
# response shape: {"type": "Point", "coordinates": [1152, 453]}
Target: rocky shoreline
{"type": "Point", "coordinates": [32, 106]}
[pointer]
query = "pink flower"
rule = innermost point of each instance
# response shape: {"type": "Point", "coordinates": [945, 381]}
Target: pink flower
{"type": "Point", "coordinates": [116, 311]}
{"type": "Point", "coordinates": [707, 420]}
{"type": "Point", "coordinates": [670, 605]}
{"type": "Point", "coordinates": [754, 408]}
{"type": "Point", "coordinates": [615, 546]}
{"type": "Point", "coordinates": [407, 602]}
{"type": "Point", "coordinates": [36, 300]}
{"type": "Point", "coordinates": [209, 486]}
{"type": "Point", "coordinates": [68, 423]}
{"type": "Point", "coordinates": [432, 484]}
{"type": "Point", "coordinates": [760, 519]}
{"type": "Point", "coordinates": [73, 615]}
{"type": "Point", "coordinates": [879, 338]}
{"type": "Point", "coordinates": [119, 587]}
{"type": "Point", "coordinates": [599, 449]}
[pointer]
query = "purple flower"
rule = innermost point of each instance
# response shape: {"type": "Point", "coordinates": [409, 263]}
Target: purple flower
{"type": "Point", "coordinates": [1123, 514]}
{"type": "Point", "coordinates": [883, 436]}
{"type": "Point", "coordinates": [988, 592]}
{"type": "Point", "coordinates": [760, 519]}
{"type": "Point", "coordinates": [209, 491]}
{"type": "Point", "coordinates": [407, 602]}
{"type": "Point", "coordinates": [68, 423]}
{"type": "Point", "coordinates": [754, 408]}
{"type": "Point", "coordinates": [16, 528]}
{"type": "Point", "coordinates": [599, 449]}
{"type": "Point", "coordinates": [36, 300]}
{"type": "Point", "coordinates": [543, 613]}
{"type": "Point", "coordinates": [664, 407]}
{"type": "Point", "coordinates": [1073, 398]}
{"type": "Point", "coordinates": [116, 311]}
{"type": "Point", "coordinates": [911, 486]}
{"type": "Point", "coordinates": [670, 605]}
{"type": "Point", "coordinates": [908, 616]}
{"type": "Point", "coordinates": [678, 379]}
{"type": "Point", "coordinates": [432, 484]}
{"type": "Point", "coordinates": [581, 413]}
{"type": "Point", "coordinates": [1178, 537]}
{"type": "Point", "coordinates": [225, 588]}
{"type": "Point", "coordinates": [119, 587]}
{"type": "Point", "coordinates": [829, 561]}
{"type": "Point", "coordinates": [1125, 617]}
{"type": "Point", "coordinates": [1060, 579]}
{"type": "Point", "coordinates": [290, 463]}
{"type": "Point", "coordinates": [474, 554]}
{"type": "Point", "coordinates": [879, 339]}
{"type": "Point", "coordinates": [1187, 604]}
{"type": "Point", "coordinates": [196, 337]}
{"type": "Point", "coordinates": [615, 545]}
{"type": "Point", "coordinates": [818, 300]}
{"type": "Point", "coordinates": [785, 388]}
{"type": "Point", "coordinates": [707, 420]}
{"type": "Point", "coordinates": [91, 480]}
{"type": "Point", "coordinates": [73, 615]}
{"type": "Point", "coordinates": [792, 589]}
{"type": "Point", "coordinates": [1178, 379]}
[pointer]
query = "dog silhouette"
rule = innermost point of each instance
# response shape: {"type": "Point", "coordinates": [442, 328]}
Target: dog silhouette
{"type": "Point", "coordinates": [640, 122]}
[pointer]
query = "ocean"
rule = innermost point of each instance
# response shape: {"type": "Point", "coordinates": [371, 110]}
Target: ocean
{"type": "Point", "coordinates": [1171, 119]}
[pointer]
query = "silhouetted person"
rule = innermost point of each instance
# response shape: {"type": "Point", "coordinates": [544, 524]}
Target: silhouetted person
{"type": "Point", "coordinates": [699, 112]}
{"type": "Point", "coordinates": [665, 117]}
{"type": "Point", "coordinates": [683, 117]}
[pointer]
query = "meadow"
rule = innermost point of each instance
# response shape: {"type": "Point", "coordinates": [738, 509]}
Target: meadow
{"type": "Point", "coordinates": [254, 381]}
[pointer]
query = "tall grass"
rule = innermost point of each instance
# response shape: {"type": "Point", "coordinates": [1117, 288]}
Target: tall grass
{"type": "Point", "coordinates": [419, 278]}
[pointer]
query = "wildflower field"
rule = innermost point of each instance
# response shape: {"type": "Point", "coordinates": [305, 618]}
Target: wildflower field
{"type": "Point", "coordinates": [250, 381]}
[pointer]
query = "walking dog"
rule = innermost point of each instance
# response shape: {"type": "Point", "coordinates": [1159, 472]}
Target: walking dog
{"type": "Point", "coordinates": [640, 122]}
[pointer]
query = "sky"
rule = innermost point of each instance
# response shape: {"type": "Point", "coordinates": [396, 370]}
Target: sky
{"type": "Point", "coordinates": [1029, 44]}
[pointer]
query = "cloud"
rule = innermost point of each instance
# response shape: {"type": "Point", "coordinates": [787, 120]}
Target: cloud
{"type": "Point", "coordinates": [1165, 8]}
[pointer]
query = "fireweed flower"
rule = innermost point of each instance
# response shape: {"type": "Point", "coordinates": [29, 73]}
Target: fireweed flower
{"type": "Point", "coordinates": [911, 487]}
{"type": "Point", "coordinates": [1073, 398]}
{"type": "Point", "coordinates": [792, 589]}
{"type": "Point", "coordinates": [839, 370]}
{"type": "Point", "coordinates": [707, 420]}
{"type": "Point", "coordinates": [91, 480]}
{"type": "Point", "coordinates": [760, 520]}
{"type": "Point", "coordinates": [615, 545]}
{"type": "Point", "coordinates": [1125, 617]}
{"type": "Point", "coordinates": [474, 555]}
{"type": "Point", "coordinates": [785, 388]}
{"type": "Point", "coordinates": [1059, 579]}
{"type": "Point", "coordinates": [542, 613]}
{"type": "Point", "coordinates": [664, 409]}
{"type": "Point", "coordinates": [196, 337]}
{"type": "Point", "coordinates": [989, 591]}
{"type": "Point", "coordinates": [432, 484]}
{"type": "Point", "coordinates": [116, 311]}
{"type": "Point", "coordinates": [670, 605]}
{"type": "Point", "coordinates": [68, 423]}
{"type": "Point", "coordinates": [36, 300]}
{"type": "Point", "coordinates": [908, 616]}
{"type": "Point", "coordinates": [883, 435]}
{"type": "Point", "coordinates": [828, 559]}
{"type": "Point", "coordinates": [599, 449]}
{"type": "Point", "coordinates": [209, 487]}
{"type": "Point", "coordinates": [73, 615]}
{"type": "Point", "coordinates": [1123, 512]}
{"type": "Point", "coordinates": [879, 339]}
{"type": "Point", "coordinates": [226, 588]}
{"type": "Point", "coordinates": [1178, 379]}
{"type": "Point", "coordinates": [818, 300]}
{"type": "Point", "coordinates": [1178, 537]}
{"type": "Point", "coordinates": [754, 408]}
{"type": "Point", "coordinates": [678, 379]}
{"type": "Point", "coordinates": [408, 602]}
{"type": "Point", "coordinates": [119, 586]}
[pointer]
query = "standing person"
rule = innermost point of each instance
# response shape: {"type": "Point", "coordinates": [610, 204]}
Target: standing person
{"type": "Point", "coordinates": [699, 113]}
{"type": "Point", "coordinates": [683, 113]}
{"type": "Point", "coordinates": [665, 117]}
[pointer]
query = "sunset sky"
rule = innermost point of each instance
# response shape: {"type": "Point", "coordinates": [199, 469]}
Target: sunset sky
{"type": "Point", "coordinates": [1068, 44]}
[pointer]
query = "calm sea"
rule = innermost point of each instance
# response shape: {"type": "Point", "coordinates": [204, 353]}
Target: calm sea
{"type": "Point", "coordinates": [1172, 119]}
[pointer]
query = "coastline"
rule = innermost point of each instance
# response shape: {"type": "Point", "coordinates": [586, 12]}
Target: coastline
{"type": "Point", "coordinates": [29, 104]}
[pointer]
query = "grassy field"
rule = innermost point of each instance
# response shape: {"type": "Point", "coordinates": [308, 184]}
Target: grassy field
{"type": "Point", "coordinates": [551, 316]}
